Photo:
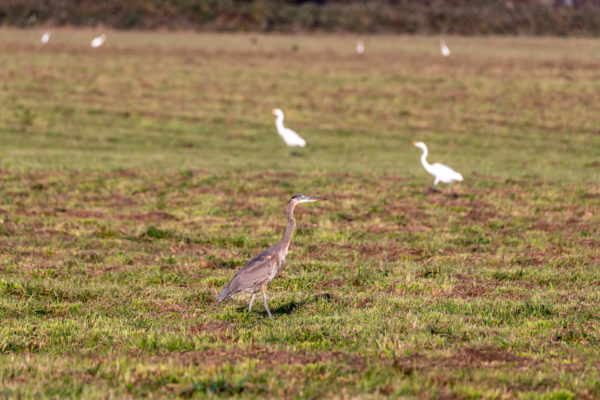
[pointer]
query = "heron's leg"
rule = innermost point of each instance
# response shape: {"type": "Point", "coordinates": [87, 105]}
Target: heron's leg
{"type": "Point", "coordinates": [251, 301]}
{"type": "Point", "coordinates": [264, 290]}
{"type": "Point", "coordinates": [452, 191]}
{"type": "Point", "coordinates": [432, 189]}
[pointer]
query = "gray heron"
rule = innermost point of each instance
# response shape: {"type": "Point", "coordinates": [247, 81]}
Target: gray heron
{"type": "Point", "coordinates": [261, 270]}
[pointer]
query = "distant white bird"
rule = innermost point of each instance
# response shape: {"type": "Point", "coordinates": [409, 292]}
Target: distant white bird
{"type": "Point", "coordinates": [46, 37]}
{"type": "Point", "coordinates": [98, 41]}
{"type": "Point", "coordinates": [441, 172]}
{"type": "Point", "coordinates": [291, 138]}
{"type": "Point", "coordinates": [444, 49]}
{"type": "Point", "coordinates": [360, 47]}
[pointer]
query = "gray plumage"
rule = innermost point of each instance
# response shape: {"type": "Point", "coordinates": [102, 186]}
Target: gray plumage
{"type": "Point", "coordinates": [252, 275]}
{"type": "Point", "coordinates": [261, 270]}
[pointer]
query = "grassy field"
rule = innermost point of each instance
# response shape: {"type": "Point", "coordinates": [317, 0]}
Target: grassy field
{"type": "Point", "coordinates": [135, 179]}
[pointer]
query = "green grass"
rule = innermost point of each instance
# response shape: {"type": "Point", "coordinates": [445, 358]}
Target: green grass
{"type": "Point", "coordinates": [136, 179]}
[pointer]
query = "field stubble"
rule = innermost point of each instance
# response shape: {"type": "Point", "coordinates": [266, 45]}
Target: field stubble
{"type": "Point", "coordinates": [137, 178]}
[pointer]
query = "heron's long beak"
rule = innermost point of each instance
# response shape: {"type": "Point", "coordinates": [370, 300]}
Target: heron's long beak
{"type": "Point", "coordinates": [311, 198]}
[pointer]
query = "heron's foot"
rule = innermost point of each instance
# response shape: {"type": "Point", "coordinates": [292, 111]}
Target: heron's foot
{"type": "Point", "coordinates": [268, 311]}
{"type": "Point", "coordinates": [264, 288]}
{"type": "Point", "coordinates": [454, 195]}
{"type": "Point", "coordinates": [433, 190]}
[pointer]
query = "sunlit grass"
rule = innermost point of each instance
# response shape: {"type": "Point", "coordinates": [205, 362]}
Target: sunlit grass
{"type": "Point", "coordinates": [136, 179]}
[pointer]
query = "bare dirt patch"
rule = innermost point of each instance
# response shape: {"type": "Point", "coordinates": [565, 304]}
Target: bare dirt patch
{"type": "Point", "coordinates": [267, 357]}
{"type": "Point", "coordinates": [480, 213]}
{"type": "Point", "coordinates": [388, 253]}
{"type": "Point", "coordinates": [160, 308]}
{"type": "Point", "coordinates": [150, 216]}
{"type": "Point", "coordinates": [219, 328]}
{"type": "Point", "coordinates": [332, 283]}
{"type": "Point", "coordinates": [86, 214]}
{"type": "Point", "coordinates": [468, 357]}
{"type": "Point", "coordinates": [39, 233]}
{"type": "Point", "coordinates": [467, 287]}
{"type": "Point", "coordinates": [463, 358]}
{"type": "Point", "coordinates": [113, 201]}
{"type": "Point", "coordinates": [410, 211]}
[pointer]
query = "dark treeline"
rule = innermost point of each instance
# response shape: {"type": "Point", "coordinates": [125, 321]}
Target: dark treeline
{"type": "Point", "coordinates": [468, 17]}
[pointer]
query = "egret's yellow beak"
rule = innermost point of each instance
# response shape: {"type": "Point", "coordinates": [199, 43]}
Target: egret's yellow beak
{"type": "Point", "coordinates": [414, 143]}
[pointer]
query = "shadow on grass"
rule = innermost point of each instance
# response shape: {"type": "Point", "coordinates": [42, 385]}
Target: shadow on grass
{"type": "Point", "coordinates": [284, 309]}
{"type": "Point", "coordinates": [287, 308]}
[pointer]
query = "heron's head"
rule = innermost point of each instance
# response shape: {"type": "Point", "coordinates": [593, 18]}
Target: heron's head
{"type": "Point", "coordinates": [278, 112]}
{"type": "Point", "coordinates": [420, 145]}
{"type": "Point", "coordinates": [302, 198]}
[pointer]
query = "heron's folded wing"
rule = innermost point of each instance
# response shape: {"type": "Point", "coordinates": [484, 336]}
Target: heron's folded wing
{"type": "Point", "coordinates": [254, 272]}
{"type": "Point", "coordinates": [444, 170]}
{"type": "Point", "coordinates": [292, 138]}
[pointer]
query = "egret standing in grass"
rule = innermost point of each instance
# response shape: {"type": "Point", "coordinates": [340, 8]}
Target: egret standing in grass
{"type": "Point", "coordinates": [445, 50]}
{"type": "Point", "coordinates": [261, 270]}
{"type": "Point", "coordinates": [98, 41]}
{"type": "Point", "coordinates": [360, 47]}
{"type": "Point", "coordinates": [45, 37]}
{"type": "Point", "coordinates": [441, 172]}
{"type": "Point", "coordinates": [291, 138]}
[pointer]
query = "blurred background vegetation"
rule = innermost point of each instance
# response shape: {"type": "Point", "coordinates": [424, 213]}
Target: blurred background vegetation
{"type": "Point", "coordinates": [467, 17]}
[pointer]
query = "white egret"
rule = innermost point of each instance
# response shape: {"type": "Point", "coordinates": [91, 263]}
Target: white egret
{"type": "Point", "coordinates": [45, 37]}
{"type": "Point", "coordinates": [98, 41]}
{"type": "Point", "coordinates": [441, 172]}
{"type": "Point", "coordinates": [444, 49]}
{"type": "Point", "coordinates": [291, 138]}
{"type": "Point", "coordinates": [360, 47]}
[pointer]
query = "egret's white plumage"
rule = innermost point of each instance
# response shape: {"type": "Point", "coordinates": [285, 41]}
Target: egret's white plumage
{"type": "Point", "coordinates": [360, 47]}
{"type": "Point", "coordinates": [441, 172]}
{"type": "Point", "coordinates": [45, 37]}
{"type": "Point", "coordinates": [98, 41]}
{"type": "Point", "coordinates": [291, 138]}
{"type": "Point", "coordinates": [444, 49]}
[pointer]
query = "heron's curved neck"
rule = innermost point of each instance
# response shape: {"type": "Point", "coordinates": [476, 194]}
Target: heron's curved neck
{"type": "Point", "coordinates": [284, 243]}
{"type": "Point", "coordinates": [279, 121]}
{"type": "Point", "coordinates": [426, 165]}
